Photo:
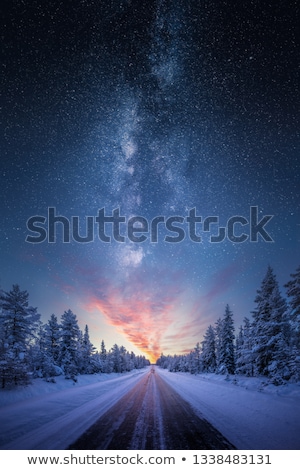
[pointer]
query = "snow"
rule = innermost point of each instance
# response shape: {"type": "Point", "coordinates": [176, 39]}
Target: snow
{"type": "Point", "coordinates": [52, 416]}
{"type": "Point", "coordinates": [248, 413]}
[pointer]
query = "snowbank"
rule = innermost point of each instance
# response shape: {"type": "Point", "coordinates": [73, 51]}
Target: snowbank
{"type": "Point", "coordinates": [250, 413]}
{"type": "Point", "coordinates": [51, 416]}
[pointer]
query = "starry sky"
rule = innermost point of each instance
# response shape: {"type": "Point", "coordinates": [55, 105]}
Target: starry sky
{"type": "Point", "coordinates": [155, 108]}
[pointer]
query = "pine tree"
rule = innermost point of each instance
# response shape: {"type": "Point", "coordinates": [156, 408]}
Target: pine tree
{"type": "Point", "coordinates": [19, 320]}
{"type": "Point", "coordinates": [87, 350]}
{"type": "Point", "coordinates": [269, 327]}
{"type": "Point", "coordinates": [293, 293]}
{"type": "Point", "coordinates": [124, 359]}
{"type": "Point", "coordinates": [194, 362]}
{"type": "Point", "coordinates": [69, 355]}
{"type": "Point", "coordinates": [53, 338]}
{"type": "Point", "coordinates": [19, 323]}
{"type": "Point", "coordinates": [239, 343]}
{"type": "Point", "coordinates": [103, 356]}
{"type": "Point", "coordinates": [208, 355]}
{"type": "Point", "coordinates": [135, 361]}
{"type": "Point", "coordinates": [244, 355]}
{"type": "Point", "coordinates": [116, 358]}
{"type": "Point", "coordinates": [227, 343]}
{"type": "Point", "coordinates": [41, 359]}
{"type": "Point", "coordinates": [218, 343]}
{"type": "Point", "coordinates": [225, 353]}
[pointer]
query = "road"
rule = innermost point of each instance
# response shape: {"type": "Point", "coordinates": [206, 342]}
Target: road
{"type": "Point", "coordinates": [151, 416]}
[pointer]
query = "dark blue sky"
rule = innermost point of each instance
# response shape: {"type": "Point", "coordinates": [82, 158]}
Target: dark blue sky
{"type": "Point", "coordinates": [155, 108]}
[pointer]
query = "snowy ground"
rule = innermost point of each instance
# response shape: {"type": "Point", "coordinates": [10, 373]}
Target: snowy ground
{"type": "Point", "coordinates": [249, 414]}
{"type": "Point", "coordinates": [51, 416]}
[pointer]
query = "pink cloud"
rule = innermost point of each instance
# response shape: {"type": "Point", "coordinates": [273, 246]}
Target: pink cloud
{"type": "Point", "coordinates": [140, 307]}
{"type": "Point", "coordinates": [141, 321]}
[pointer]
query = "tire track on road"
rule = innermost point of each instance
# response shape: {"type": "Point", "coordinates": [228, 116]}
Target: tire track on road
{"type": "Point", "coordinates": [151, 416]}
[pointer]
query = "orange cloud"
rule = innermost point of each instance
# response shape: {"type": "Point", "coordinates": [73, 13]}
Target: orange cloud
{"type": "Point", "coordinates": [138, 319]}
{"type": "Point", "coordinates": [143, 306]}
{"type": "Point", "coordinates": [139, 309]}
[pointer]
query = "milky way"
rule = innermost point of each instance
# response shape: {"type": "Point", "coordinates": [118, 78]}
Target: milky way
{"type": "Point", "coordinates": [154, 108]}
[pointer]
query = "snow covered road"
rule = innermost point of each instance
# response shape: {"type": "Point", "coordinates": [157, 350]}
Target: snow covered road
{"type": "Point", "coordinates": [151, 416]}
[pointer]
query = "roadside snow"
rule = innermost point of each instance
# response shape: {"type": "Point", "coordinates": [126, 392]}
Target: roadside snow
{"type": "Point", "coordinates": [248, 413]}
{"type": "Point", "coordinates": [52, 416]}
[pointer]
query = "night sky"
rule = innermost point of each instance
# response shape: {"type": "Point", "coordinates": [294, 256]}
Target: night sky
{"type": "Point", "coordinates": [155, 108]}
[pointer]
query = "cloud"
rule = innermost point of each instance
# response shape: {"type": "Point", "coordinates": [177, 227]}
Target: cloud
{"type": "Point", "coordinates": [139, 307]}
{"type": "Point", "coordinates": [149, 305]}
{"type": "Point", "coordinates": [142, 321]}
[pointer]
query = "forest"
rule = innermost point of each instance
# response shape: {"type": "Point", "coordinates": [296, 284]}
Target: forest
{"type": "Point", "coordinates": [267, 345]}
{"type": "Point", "coordinates": [30, 349]}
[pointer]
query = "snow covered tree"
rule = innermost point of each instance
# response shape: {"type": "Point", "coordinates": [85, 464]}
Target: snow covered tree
{"type": "Point", "coordinates": [116, 358]}
{"type": "Point", "coordinates": [244, 355]}
{"type": "Point", "coordinates": [103, 358]}
{"type": "Point", "coordinates": [293, 363]}
{"type": "Point", "coordinates": [19, 323]}
{"type": "Point", "coordinates": [42, 363]}
{"type": "Point", "coordinates": [269, 329]}
{"type": "Point", "coordinates": [2, 333]}
{"type": "Point", "coordinates": [208, 355]}
{"type": "Point", "coordinates": [103, 351]}
{"type": "Point", "coordinates": [238, 350]}
{"type": "Point", "coordinates": [218, 343]}
{"type": "Point", "coordinates": [69, 354]}
{"type": "Point", "coordinates": [194, 360]}
{"type": "Point", "coordinates": [184, 363]}
{"type": "Point", "coordinates": [86, 353]}
{"type": "Point", "coordinates": [162, 361]}
{"type": "Point", "coordinates": [226, 353]}
{"type": "Point", "coordinates": [19, 320]}
{"type": "Point", "coordinates": [174, 364]}
{"type": "Point", "coordinates": [135, 361]}
{"type": "Point", "coordinates": [293, 293]}
{"type": "Point", "coordinates": [125, 360]}
{"type": "Point", "coordinates": [53, 338]}
{"type": "Point", "coordinates": [197, 359]}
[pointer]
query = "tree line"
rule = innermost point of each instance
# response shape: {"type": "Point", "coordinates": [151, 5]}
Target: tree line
{"type": "Point", "coordinates": [266, 345]}
{"type": "Point", "coordinates": [31, 349]}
